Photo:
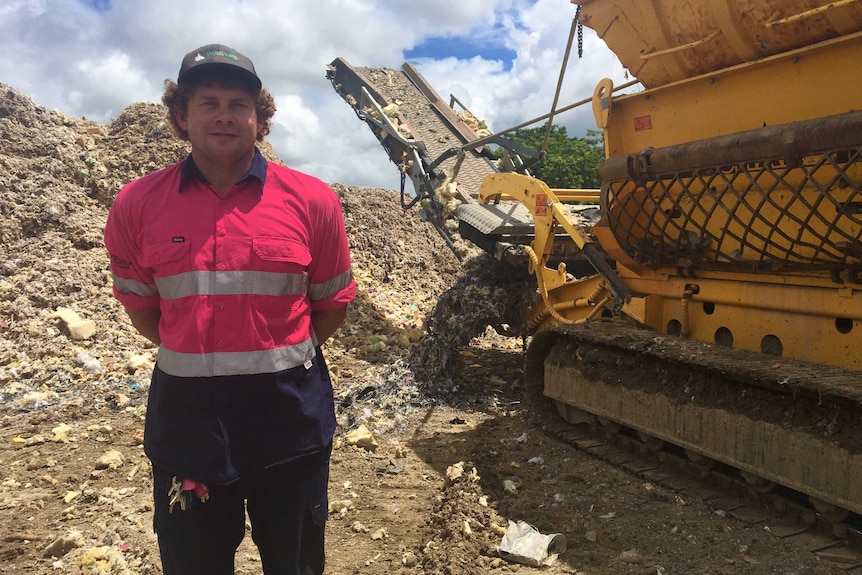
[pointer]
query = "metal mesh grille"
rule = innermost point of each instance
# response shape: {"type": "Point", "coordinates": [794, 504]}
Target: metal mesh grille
{"type": "Point", "coordinates": [753, 216]}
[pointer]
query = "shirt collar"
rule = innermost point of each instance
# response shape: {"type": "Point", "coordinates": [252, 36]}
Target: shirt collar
{"type": "Point", "coordinates": [257, 170]}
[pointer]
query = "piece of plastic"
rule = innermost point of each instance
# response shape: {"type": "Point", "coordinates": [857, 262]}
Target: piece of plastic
{"type": "Point", "coordinates": [522, 543]}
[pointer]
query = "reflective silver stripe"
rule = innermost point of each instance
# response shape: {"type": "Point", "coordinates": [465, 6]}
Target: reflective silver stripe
{"type": "Point", "coordinates": [331, 287]}
{"type": "Point", "coordinates": [231, 283]}
{"type": "Point", "coordinates": [126, 286]}
{"type": "Point", "coordinates": [234, 363]}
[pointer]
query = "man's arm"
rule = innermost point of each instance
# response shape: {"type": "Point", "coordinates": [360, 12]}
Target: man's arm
{"type": "Point", "coordinates": [146, 321]}
{"type": "Point", "coordinates": [325, 322]}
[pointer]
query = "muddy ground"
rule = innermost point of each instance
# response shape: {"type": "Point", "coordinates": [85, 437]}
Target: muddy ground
{"type": "Point", "coordinates": [453, 452]}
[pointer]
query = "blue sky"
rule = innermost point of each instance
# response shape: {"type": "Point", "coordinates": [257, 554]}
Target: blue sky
{"type": "Point", "coordinates": [93, 58]}
{"type": "Point", "coordinates": [99, 5]}
{"type": "Point", "coordinates": [488, 45]}
{"type": "Point", "coordinates": [462, 48]}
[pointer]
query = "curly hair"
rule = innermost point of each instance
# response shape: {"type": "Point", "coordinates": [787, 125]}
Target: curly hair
{"type": "Point", "coordinates": [177, 96]}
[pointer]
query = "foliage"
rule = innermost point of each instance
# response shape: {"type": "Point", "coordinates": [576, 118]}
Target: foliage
{"type": "Point", "coordinates": [569, 162]}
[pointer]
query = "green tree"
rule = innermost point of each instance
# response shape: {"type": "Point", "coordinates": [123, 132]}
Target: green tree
{"type": "Point", "coordinates": [569, 162]}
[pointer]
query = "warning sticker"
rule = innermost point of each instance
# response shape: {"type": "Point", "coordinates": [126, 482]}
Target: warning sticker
{"type": "Point", "coordinates": [643, 123]}
{"type": "Point", "coordinates": [541, 205]}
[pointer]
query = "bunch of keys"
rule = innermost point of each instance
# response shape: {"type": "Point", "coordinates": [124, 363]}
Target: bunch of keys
{"type": "Point", "coordinates": [186, 492]}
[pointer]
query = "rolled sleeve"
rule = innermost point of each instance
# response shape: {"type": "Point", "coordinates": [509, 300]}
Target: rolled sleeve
{"type": "Point", "coordinates": [336, 292]}
{"type": "Point", "coordinates": [332, 284]}
{"type": "Point", "coordinates": [133, 284]}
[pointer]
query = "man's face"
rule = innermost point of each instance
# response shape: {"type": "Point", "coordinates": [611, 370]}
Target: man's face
{"type": "Point", "coordinates": [221, 122]}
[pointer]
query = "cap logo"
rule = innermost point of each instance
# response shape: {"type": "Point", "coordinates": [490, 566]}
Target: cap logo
{"type": "Point", "coordinates": [211, 53]}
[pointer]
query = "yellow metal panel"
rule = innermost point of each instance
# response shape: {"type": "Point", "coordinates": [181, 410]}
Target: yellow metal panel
{"type": "Point", "coordinates": [801, 85]}
{"type": "Point", "coordinates": [814, 321]}
{"type": "Point", "coordinates": [752, 328]}
{"type": "Point", "coordinates": [810, 294]}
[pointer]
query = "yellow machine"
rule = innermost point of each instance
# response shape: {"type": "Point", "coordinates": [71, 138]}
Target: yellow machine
{"type": "Point", "coordinates": [723, 312]}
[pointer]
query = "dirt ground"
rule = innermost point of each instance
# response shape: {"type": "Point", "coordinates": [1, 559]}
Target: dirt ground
{"type": "Point", "coordinates": [452, 455]}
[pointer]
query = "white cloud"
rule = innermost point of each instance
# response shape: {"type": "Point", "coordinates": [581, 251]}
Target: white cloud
{"type": "Point", "coordinates": [506, 99]}
{"type": "Point", "coordinates": [113, 80]}
{"type": "Point", "coordinates": [94, 64]}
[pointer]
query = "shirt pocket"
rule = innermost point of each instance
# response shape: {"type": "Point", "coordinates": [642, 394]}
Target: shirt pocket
{"type": "Point", "coordinates": [284, 262]}
{"type": "Point", "coordinates": [170, 262]}
{"type": "Point", "coordinates": [282, 254]}
{"type": "Point", "coordinates": [166, 258]}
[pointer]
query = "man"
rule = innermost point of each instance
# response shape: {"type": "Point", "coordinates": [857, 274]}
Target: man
{"type": "Point", "coordinates": [239, 270]}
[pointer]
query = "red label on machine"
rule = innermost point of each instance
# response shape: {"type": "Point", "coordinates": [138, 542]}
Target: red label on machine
{"type": "Point", "coordinates": [541, 204]}
{"type": "Point", "coordinates": [643, 123]}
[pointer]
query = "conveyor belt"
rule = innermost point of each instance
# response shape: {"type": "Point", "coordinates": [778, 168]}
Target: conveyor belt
{"type": "Point", "coordinates": [426, 129]}
{"type": "Point", "coordinates": [437, 132]}
{"type": "Point", "coordinates": [436, 129]}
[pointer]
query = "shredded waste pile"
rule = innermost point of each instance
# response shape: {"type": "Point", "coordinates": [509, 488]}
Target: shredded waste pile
{"type": "Point", "coordinates": [488, 294]}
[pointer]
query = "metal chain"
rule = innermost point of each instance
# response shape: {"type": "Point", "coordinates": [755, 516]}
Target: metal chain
{"type": "Point", "coordinates": [580, 32]}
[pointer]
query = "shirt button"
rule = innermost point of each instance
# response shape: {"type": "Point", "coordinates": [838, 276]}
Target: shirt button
{"type": "Point", "coordinates": [220, 267]}
{"type": "Point", "coordinates": [221, 231]}
{"type": "Point", "coordinates": [221, 343]}
{"type": "Point", "coordinates": [221, 306]}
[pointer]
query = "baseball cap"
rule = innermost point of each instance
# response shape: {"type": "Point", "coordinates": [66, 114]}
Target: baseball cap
{"type": "Point", "coordinates": [218, 55]}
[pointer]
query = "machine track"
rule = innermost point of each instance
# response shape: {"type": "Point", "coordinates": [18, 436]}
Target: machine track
{"type": "Point", "coordinates": [783, 424]}
{"type": "Point", "coordinates": [782, 513]}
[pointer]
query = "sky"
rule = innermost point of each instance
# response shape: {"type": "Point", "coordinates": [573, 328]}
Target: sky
{"type": "Point", "coordinates": [501, 58]}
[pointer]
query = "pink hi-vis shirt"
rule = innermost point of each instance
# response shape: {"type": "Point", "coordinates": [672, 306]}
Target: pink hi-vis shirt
{"type": "Point", "coordinates": [235, 277]}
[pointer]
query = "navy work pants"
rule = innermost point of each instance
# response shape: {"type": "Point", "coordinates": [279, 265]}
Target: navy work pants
{"type": "Point", "coordinates": [287, 507]}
